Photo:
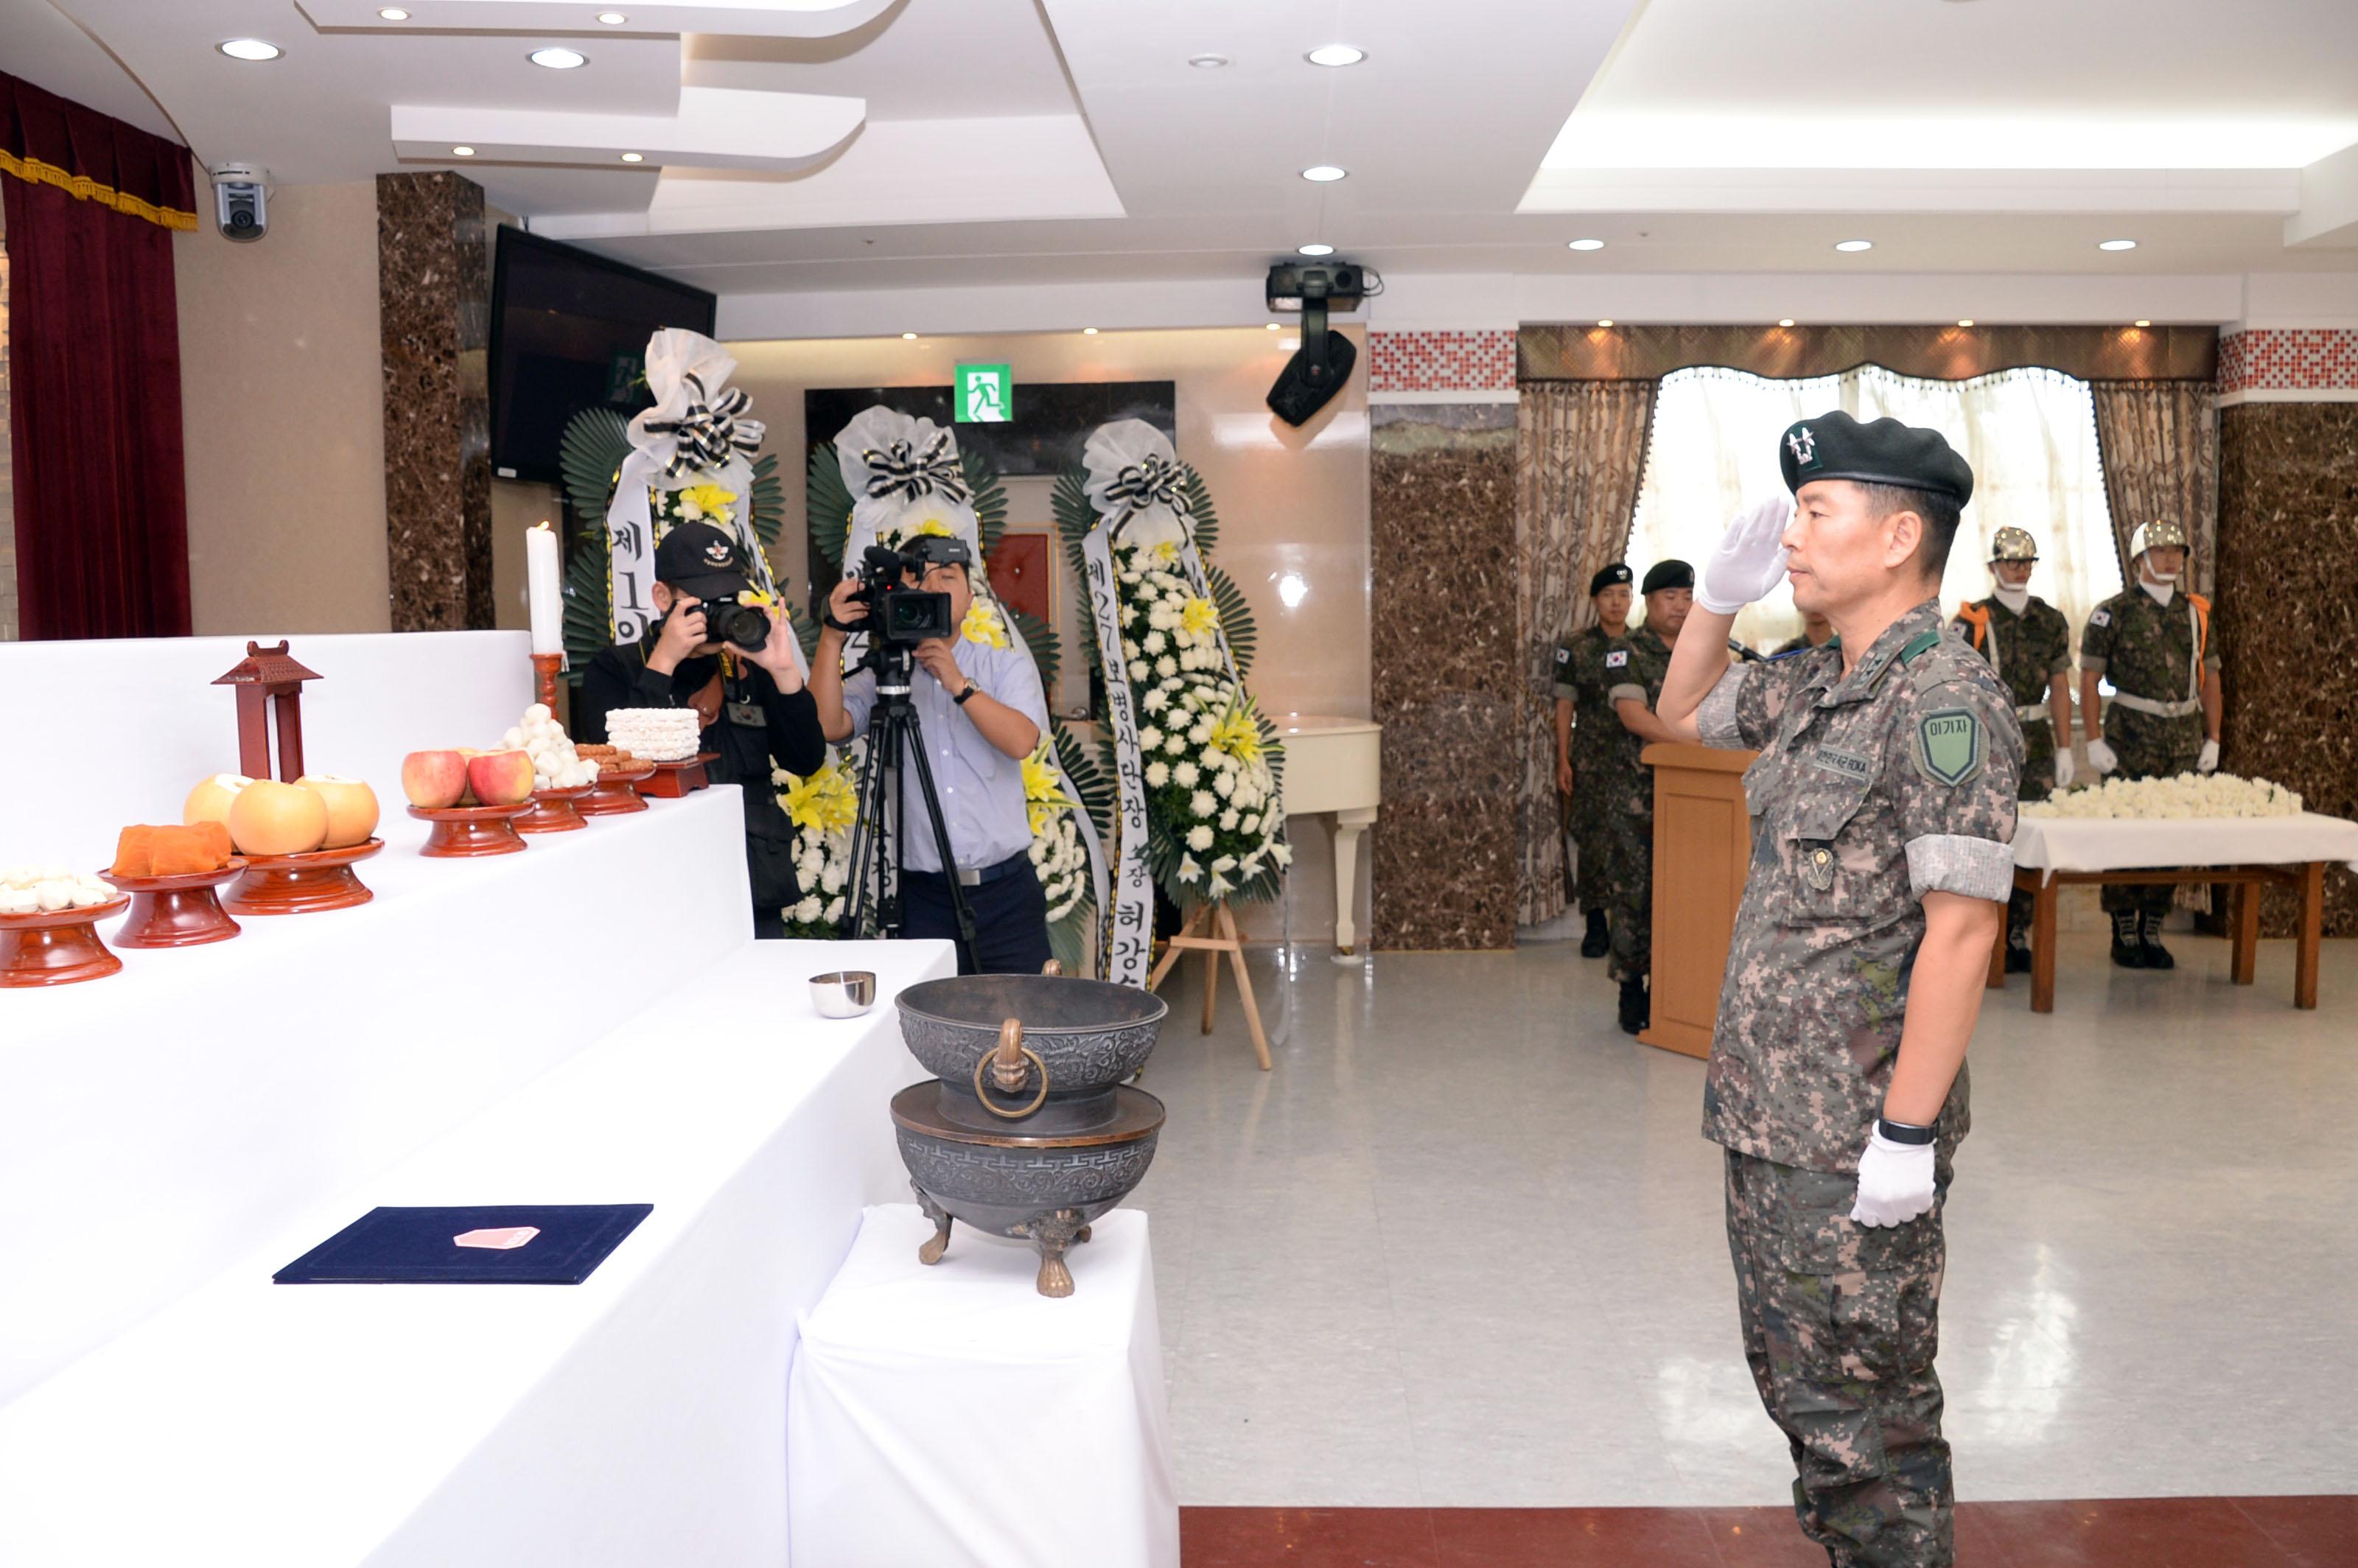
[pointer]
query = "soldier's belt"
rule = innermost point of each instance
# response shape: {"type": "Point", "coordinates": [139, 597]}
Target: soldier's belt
{"type": "Point", "coordinates": [2179, 709]}
{"type": "Point", "coordinates": [2034, 711]}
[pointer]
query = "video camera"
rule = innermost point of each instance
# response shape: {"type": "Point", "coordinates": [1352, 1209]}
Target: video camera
{"type": "Point", "coordinates": [898, 615]}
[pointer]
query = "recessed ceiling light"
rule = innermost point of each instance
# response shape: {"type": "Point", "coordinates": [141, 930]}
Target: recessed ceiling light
{"type": "Point", "coordinates": [634, 158]}
{"type": "Point", "coordinates": [611, 19]}
{"type": "Point", "coordinates": [558, 59]}
{"type": "Point", "coordinates": [1605, 320]}
{"type": "Point", "coordinates": [1335, 54]}
{"type": "Point", "coordinates": [1589, 245]}
{"type": "Point", "coordinates": [2143, 322]}
{"type": "Point", "coordinates": [1207, 61]}
{"type": "Point", "coordinates": [1324, 173]}
{"type": "Point", "coordinates": [393, 13]}
{"type": "Point", "coordinates": [1784, 321]}
{"type": "Point", "coordinates": [462, 151]}
{"type": "Point", "coordinates": [1315, 248]}
{"type": "Point", "coordinates": [1273, 326]}
{"type": "Point", "coordinates": [249, 49]}
{"type": "Point", "coordinates": [1088, 331]}
{"type": "Point", "coordinates": [1854, 245]}
{"type": "Point", "coordinates": [1964, 320]}
{"type": "Point", "coordinates": [2117, 245]}
{"type": "Point", "coordinates": [908, 337]}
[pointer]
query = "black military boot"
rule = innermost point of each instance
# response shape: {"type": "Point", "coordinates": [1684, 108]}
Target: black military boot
{"type": "Point", "coordinates": [2017, 949]}
{"type": "Point", "coordinates": [1633, 1006]}
{"type": "Point", "coordinates": [2127, 951]}
{"type": "Point", "coordinates": [1598, 940]}
{"type": "Point", "coordinates": [2151, 952]}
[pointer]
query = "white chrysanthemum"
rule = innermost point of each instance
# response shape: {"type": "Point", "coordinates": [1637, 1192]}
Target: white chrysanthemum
{"type": "Point", "coordinates": [1174, 745]}
{"type": "Point", "coordinates": [1228, 820]}
{"type": "Point", "coordinates": [1186, 774]}
{"type": "Point", "coordinates": [1128, 616]}
{"type": "Point", "coordinates": [1165, 666]}
{"type": "Point", "coordinates": [1157, 775]}
{"type": "Point", "coordinates": [1149, 738]}
{"type": "Point", "coordinates": [1203, 803]}
{"type": "Point", "coordinates": [1251, 824]}
{"type": "Point", "coordinates": [831, 879]}
{"type": "Point", "coordinates": [1200, 731]}
{"type": "Point", "coordinates": [809, 910]}
{"type": "Point", "coordinates": [1155, 701]}
{"type": "Point", "coordinates": [1223, 784]}
{"type": "Point", "coordinates": [1129, 649]}
{"type": "Point", "coordinates": [1156, 642]}
{"type": "Point", "coordinates": [1200, 837]}
{"type": "Point", "coordinates": [1138, 669]}
{"type": "Point", "coordinates": [833, 909]}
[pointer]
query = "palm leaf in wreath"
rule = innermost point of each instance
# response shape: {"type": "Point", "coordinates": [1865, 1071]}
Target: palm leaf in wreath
{"type": "Point", "coordinates": [767, 497]}
{"type": "Point", "coordinates": [990, 497]}
{"type": "Point", "coordinates": [1085, 775]}
{"type": "Point", "coordinates": [1040, 641]}
{"type": "Point", "coordinates": [589, 456]}
{"type": "Point", "coordinates": [827, 505]}
{"type": "Point", "coordinates": [1237, 621]}
{"type": "Point", "coordinates": [1202, 518]}
{"type": "Point", "coordinates": [1075, 518]}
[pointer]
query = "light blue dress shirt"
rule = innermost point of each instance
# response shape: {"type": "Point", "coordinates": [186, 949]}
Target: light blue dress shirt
{"type": "Point", "coordinates": [981, 787]}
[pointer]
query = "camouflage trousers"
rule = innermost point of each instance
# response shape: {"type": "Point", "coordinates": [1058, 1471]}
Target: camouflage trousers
{"type": "Point", "coordinates": [1592, 881]}
{"type": "Point", "coordinates": [2149, 747]}
{"type": "Point", "coordinates": [1840, 1324]}
{"type": "Point", "coordinates": [1629, 840]}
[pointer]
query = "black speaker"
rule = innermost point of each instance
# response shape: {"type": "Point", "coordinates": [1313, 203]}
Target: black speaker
{"type": "Point", "coordinates": [1305, 385]}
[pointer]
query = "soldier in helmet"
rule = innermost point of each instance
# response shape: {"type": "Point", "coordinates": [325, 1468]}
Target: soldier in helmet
{"type": "Point", "coordinates": [2028, 644]}
{"type": "Point", "coordinates": [2153, 639]}
{"type": "Point", "coordinates": [1585, 733]}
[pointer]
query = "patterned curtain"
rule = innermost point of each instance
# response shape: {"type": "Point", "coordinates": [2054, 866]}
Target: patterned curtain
{"type": "Point", "coordinates": [1580, 451]}
{"type": "Point", "coordinates": [2159, 441]}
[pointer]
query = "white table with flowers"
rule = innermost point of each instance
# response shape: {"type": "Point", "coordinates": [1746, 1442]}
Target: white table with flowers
{"type": "Point", "coordinates": [2220, 829]}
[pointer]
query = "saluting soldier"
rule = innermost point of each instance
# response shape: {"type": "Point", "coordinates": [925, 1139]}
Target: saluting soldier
{"type": "Point", "coordinates": [1636, 666]}
{"type": "Point", "coordinates": [2028, 644]}
{"type": "Point", "coordinates": [2154, 640]}
{"type": "Point", "coordinates": [1883, 812]}
{"type": "Point", "coordinates": [1585, 730]}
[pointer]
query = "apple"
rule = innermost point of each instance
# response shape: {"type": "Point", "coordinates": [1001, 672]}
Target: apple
{"type": "Point", "coordinates": [209, 801]}
{"type": "Point", "coordinates": [500, 778]}
{"type": "Point", "coordinates": [434, 780]}
{"type": "Point", "coordinates": [272, 818]}
{"type": "Point", "coordinates": [352, 807]}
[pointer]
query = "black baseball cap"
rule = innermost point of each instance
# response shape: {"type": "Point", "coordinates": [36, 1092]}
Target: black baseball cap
{"type": "Point", "coordinates": [697, 558]}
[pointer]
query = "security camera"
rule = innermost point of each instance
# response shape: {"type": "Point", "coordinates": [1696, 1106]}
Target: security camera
{"type": "Point", "coordinates": [242, 200]}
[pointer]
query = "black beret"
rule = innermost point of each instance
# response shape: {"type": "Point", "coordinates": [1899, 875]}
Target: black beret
{"type": "Point", "coordinates": [1835, 446]}
{"type": "Point", "coordinates": [1617, 572]}
{"type": "Point", "coordinates": [1668, 574]}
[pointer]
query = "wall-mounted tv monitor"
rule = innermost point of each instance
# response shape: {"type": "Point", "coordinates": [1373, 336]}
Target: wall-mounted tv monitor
{"type": "Point", "coordinates": [569, 331]}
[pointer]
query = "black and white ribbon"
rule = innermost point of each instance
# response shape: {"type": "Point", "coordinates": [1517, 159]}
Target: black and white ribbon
{"type": "Point", "coordinates": [1153, 481]}
{"type": "Point", "coordinates": [899, 469]}
{"type": "Point", "coordinates": [710, 433]}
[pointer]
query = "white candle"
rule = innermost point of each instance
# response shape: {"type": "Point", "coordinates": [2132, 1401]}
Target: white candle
{"type": "Point", "coordinates": [542, 590]}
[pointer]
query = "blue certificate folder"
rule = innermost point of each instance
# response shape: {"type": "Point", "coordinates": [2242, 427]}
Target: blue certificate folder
{"type": "Point", "coordinates": [414, 1246]}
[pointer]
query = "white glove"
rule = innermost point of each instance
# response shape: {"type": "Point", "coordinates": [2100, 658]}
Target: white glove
{"type": "Point", "coordinates": [1895, 1182]}
{"type": "Point", "coordinates": [2101, 758]}
{"type": "Point", "coordinates": [2208, 762]}
{"type": "Point", "coordinates": [1750, 560]}
{"type": "Point", "coordinates": [2066, 770]}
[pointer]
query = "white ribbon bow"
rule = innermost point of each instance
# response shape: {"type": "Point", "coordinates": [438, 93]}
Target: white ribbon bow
{"type": "Point", "coordinates": [1137, 482]}
{"type": "Point", "coordinates": [902, 471]}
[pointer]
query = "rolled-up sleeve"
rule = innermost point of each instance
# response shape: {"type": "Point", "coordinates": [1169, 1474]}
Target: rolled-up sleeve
{"type": "Point", "coordinates": [1957, 790]}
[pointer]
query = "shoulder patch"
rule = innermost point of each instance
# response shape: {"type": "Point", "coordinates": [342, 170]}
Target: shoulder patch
{"type": "Point", "coordinates": [1617, 659]}
{"type": "Point", "coordinates": [1950, 745]}
{"type": "Point", "coordinates": [2101, 618]}
{"type": "Point", "coordinates": [1562, 656]}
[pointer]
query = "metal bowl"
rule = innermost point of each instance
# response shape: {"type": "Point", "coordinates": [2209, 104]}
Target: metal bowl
{"type": "Point", "coordinates": [845, 993]}
{"type": "Point", "coordinates": [1089, 1035]}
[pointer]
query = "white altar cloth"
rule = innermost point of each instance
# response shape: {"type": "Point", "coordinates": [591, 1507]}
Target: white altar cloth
{"type": "Point", "coordinates": [636, 1419]}
{"type": "Point", "coordinates": [161, 1123]}
{"type": "Point", "coordinates": [952, 1416]}
{"type": "Point", "coordinates": [2119, 844]}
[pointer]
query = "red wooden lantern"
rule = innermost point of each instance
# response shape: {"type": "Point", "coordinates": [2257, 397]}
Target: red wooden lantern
{"type": "Point", "coordinates": [267, 678]}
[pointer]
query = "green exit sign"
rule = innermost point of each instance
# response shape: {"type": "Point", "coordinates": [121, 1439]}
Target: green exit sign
{"type": "Point", "coordinates": [986, 394]}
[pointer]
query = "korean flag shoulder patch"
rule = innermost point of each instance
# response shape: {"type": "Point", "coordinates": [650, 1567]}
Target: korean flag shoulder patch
{"type": "Point", "coordinates": [1617, 659]}
{"type": "Point", "coordinates": [2101, 618]}
{"type": "Point", "coordinates": [1562, 657]}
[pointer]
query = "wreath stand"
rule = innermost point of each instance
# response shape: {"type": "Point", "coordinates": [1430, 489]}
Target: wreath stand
{"type": "Point", "coordinates": [1212, 930]}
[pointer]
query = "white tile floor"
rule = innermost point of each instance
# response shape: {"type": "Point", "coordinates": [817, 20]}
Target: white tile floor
{"type": "Point", "coordinates": [1464, 1246]}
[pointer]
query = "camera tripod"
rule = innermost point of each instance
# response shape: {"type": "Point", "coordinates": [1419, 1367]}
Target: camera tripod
{"type": "Point", "coordinates": [894, 734]}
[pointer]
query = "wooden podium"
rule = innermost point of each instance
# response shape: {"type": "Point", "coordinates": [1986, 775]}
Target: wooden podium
{"type": "Point", "coordinates": [1703, 844]}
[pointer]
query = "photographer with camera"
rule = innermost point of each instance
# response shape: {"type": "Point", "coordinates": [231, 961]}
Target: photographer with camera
{"type": "Point", "coordinates": [737, 666]}
{"type": "Point", "coordinates": [980, 712]}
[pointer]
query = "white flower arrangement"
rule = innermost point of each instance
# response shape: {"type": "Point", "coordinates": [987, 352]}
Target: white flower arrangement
{"type": "Point", "coordinates": [2187, 796]}
{"type": "Point", "coordinates": [821, 807]}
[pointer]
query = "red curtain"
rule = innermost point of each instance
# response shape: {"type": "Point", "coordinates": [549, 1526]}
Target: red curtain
{"type": "Point", "coordinates": [94, 366]}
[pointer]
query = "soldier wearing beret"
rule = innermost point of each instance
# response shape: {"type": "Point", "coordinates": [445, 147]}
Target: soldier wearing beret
{"type": "Point", "coordinates": [2154, 640]}
{"type": "Point", "coordinates": [2028, 644]}
{"type": "Point", "coordinates": [1882, 811]}
{"type": "Point", "coordinates": [1584, 730]}
{"type": "Point", "coordinates": [1636, 666]}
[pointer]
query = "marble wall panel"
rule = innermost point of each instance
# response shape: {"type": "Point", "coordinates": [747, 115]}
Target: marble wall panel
{"type": "Point", "coordinates": [2287, 617]}
{"type": "Point", "coordinates": [434, 296]}
{"type": "Point", "coordinates": [1446, 673]}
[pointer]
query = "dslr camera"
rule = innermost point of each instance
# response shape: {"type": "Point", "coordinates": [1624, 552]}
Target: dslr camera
{"type": "Point", "coordinates": [899, 615]}
{"type": "Point", "coordinates": [725, 621]}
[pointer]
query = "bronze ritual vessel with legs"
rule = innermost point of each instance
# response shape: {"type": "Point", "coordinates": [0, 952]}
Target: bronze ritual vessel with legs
{"type": "Point", "coordinates": [1027, 1129]}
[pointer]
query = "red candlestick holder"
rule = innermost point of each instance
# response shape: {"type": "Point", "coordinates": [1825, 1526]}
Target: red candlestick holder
{"type": "Point", "coordinates": [545, 670]}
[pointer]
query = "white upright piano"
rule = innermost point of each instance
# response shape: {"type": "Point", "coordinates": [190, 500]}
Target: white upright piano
{"type": "Point", "coordinates": [1332, 767]}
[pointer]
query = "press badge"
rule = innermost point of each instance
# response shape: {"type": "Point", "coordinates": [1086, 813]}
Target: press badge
{"type": "Point", "coordinates": [748, 714]}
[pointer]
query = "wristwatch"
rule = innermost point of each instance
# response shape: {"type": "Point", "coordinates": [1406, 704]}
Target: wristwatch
{"type": "Point", "coordinates": [971, 689]}
{"type": "Point", "coordinates": [1901, 1131]}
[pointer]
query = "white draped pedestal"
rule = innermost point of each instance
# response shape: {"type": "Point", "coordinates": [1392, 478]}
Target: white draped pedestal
{"type": "Point", "coordinates": [953, 1417]}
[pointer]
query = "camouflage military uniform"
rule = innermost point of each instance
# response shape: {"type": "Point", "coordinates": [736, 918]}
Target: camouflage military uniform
{"type": "Point", "coordinates": [1871, 790]}
{"type": "Point", "coordinates": [2027, 650]}
{"type": "Point", "coordinates": [1635, 666]}
{"type": "Point", "coordinates": [1580, 679]}
{"type": "Point", "coordinates": [2150, 652]}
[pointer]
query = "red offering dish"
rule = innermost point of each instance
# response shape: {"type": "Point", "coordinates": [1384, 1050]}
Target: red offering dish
{"type": "Point", "coordinates": [465, 830]}
{"type": "Point", "coordinates": [613, 794]}
{"type": "Point", "coordinates": [57, 947]}
{"type": "Point", "coordinates": [177, 911]}
{"type": "Point", "coordinates": [554, 811]}
{"type": "Point", "coordinates": [301, 884]}
{"type": "Point", "coordinates": [673, 781]}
